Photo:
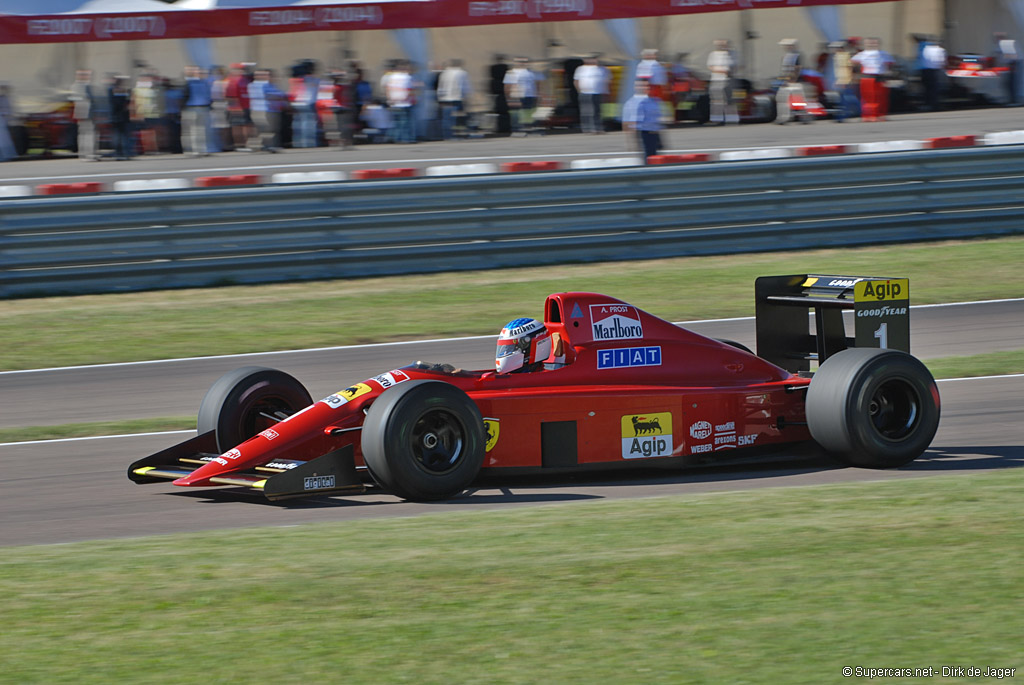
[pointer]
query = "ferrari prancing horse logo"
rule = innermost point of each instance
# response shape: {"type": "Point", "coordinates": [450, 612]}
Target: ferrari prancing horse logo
{"type": "Point", "coordinates": [493, 427]}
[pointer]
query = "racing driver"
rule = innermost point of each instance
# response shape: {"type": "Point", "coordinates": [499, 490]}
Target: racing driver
{"type": "Point", "coordinates": [524, 345]}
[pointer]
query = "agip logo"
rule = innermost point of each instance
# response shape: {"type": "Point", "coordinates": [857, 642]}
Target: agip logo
{"type": "Point", "coordinates": [615, 322]}
{"type": "Point", "coordinates": [647, 435]}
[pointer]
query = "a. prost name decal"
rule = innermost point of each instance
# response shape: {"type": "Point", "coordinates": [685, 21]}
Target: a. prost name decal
{"type": "Point", "coordinates": [626, 357]}
{"type": "Point", "coordinates": [647, 435]}
{"type": "Point", "coordinates": [615, 322]}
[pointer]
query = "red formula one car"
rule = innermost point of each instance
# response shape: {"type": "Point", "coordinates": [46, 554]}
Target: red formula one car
{"type": "Point", "coordinates": [634, 390]}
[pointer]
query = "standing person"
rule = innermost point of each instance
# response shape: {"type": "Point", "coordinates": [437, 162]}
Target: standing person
{"type": "Point", "coordinates": [7, 148]}
{"type": "Point", "coordinates": [82, 96]}
{"type": "Point", "coordinates": [874, 63]}
{"type": "Point", "coordinates": [120, 117]}
{"type": "Point", "coordinates": [174, 94]}
{"type": "Point", "coordinates": [302, 94]}
{"type": "Point", "coordinates": [849, 105]}
{"type": "Point", "coordinates": [652, 71]}
{"type": "Point", "coordinates": [219, 110]}
{"type": "Point", "coordinates": [147, 110]}
{"type": "Point", "coordinates": [496, 74]}
{"type": "Point", "coordinates": [452, 90]}
{"type": "Point", "coordinates": [521, 93]}
{"type": "Point", "coordinates": [933, 63]}
{"type": "Point", "coordinates": [1008, 57]}
{"type": "Point", "coordinates": [642, 114]}
{"type": "Point", "coordinates": [195, 116]}
{"type": "Point", "coordinates": [400, 91]}
{"type": "Point", "coordinates": [721, 65]}
{"type": "Point", "coordinates": [789, 78]}
{"type": "Point", "coordinates": [590, 82]}
{"type": "Point", "coordinates": [265, 101]}
{"type": "Point", "coordinates": [236, 91]}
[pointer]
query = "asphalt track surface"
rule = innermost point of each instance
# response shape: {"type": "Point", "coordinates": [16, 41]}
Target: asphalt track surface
{"type": "Point", "coordinates": [565, 147]}
{"type": "Point", "coordinates": [63, 491]}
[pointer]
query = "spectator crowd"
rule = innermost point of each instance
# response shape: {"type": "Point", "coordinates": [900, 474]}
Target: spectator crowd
{"type": "Point", "coordinates": [248, 107]}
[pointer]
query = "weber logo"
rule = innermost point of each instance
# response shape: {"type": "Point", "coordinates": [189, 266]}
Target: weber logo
{"type": "Point", "coordinates": [318, 482]}
{"type": "Point", "coordinates": [615, 322]}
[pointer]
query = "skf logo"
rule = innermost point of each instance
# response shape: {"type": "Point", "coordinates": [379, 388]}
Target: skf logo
{"type": "Point", "coordinates": [492, 428]}
{"type": "Point", "coordinates": [269, 434]}
{"type": "Point", "coordinates": [876, 291]}
{"type": "Point", "coordinates": [647, 435]}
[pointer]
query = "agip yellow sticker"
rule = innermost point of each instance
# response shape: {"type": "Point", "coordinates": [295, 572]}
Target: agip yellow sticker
{"type": "Point", "coordinates": [880, 291]}
{"type": "Point", "coordinates": [647, 435]}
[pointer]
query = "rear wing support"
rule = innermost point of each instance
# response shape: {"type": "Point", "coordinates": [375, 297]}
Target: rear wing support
{"type": "Point", "coordinates": [800, 318]}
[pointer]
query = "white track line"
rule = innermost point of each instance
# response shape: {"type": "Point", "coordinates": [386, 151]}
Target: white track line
{"type": "Point", "coordinates": [409, 342]}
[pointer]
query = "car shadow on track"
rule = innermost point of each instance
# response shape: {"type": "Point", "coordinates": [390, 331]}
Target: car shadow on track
{"type": "Point", "coordinates": [969, 458]}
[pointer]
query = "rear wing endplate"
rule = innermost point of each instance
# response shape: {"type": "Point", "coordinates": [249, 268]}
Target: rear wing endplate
{"type": "Point", "coordinates": [800, 317]}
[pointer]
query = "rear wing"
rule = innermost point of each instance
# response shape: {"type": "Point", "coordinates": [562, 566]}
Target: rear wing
{"type": "Point", "coordinates": [800, 318]}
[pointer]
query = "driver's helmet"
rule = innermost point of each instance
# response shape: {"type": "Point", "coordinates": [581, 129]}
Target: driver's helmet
{"type": "Point", "coordinates": [522, 344]}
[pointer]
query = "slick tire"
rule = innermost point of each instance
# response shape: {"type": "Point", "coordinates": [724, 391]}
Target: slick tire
{"type": "Point", "coordinates": [423, 440]}
{"type": "Point", "coordinates": [873, 408]}
{"type": "Point", "coordinates": [243, 402]}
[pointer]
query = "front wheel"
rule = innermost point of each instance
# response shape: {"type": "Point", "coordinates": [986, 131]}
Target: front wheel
{"type": "Point", "coordinates": [243, 402]}
{"type": "Point", "coordinates": [873, 408]}
{"type": "Point", "coordinates": [423, 440]}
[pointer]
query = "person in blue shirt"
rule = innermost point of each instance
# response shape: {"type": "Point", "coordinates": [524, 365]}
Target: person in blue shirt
{"type": "Point", "coordinates": [642, 114]}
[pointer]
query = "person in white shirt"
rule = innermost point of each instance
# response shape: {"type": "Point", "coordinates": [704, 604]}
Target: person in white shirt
{"type": "Point", "coordinates": [651, 70]}
{"type": "Point", "coordinates": [933, 62]}
{"type": "Point", "coordinates": [721, 64]}
{"type": "Point", "coordinates": [1008, 57]}
{"type": "Point", "coordinates": [521, 93]}
{"type": "Point", "coordinates": [591, 84]}
{"type": "Point", "coordinates": [453, 88]}
{"type": "Point", "coordinates": [789, 77]}
{"type": "Point", "coordinates": [874, 64]}
{"type": "Point", "coordinates": [400, 91]}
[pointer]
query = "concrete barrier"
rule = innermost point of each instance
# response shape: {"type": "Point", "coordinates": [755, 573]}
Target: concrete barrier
{"type": "Point", "coordinates": [606, 162]}
{"type": "Point", "coordinates": [228, 181]}
{"type": "Point", "coordinates": [368, 174]}
{"type": "Point", "coordinates": [81, 188]}
{"type": "Point", "coordinates": [151, 184]}
{"type": "Point", "coordinates": [531, 166]}
{"type": "Point", "coordinates": [308, 177]}
{"type": "Point", "coordinates": [461, 169]}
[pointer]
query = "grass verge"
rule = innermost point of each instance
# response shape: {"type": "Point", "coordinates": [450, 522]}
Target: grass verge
{"type": "Point", "coordinates": [991, 364]}
{"type": "Point", "coordinates": [48, 332]}
{"type": "Point", "coordinates": [768, 586]}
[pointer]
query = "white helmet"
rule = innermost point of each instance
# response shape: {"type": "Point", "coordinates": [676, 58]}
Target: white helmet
{"type": "Point", "coordinates": [522, 343]}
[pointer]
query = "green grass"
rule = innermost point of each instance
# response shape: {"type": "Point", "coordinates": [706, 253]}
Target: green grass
{"type": "Point", "coordinates": [768, 586]}
{"type": "Point", "coordinates": [47, 332]}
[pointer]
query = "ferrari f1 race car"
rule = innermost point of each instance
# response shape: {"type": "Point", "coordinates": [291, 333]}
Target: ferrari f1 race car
{"type": "Point", "coordinates": [632, 389]}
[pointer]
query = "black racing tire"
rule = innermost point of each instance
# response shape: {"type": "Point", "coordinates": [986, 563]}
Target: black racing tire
{"type": "Point", "coordinates": [733, 343]}
{"type": "Point", "coordinates": [243, 402]}
{"type": "Point", "coordinates": [423, 440]}
{"type": "Point", "coordinates": [873, 408]}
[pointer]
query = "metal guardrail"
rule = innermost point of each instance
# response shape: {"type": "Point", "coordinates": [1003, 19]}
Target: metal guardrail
{"type": "Point", "coordinates": [188, 238]}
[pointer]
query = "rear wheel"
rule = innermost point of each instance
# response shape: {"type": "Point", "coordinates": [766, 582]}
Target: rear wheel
{"type": "Point", "coordinates": [873, 408]}
{"type": "Point", "coordinates": [423, 440]}
{"type": "Point", "coordinates": [243, 402]}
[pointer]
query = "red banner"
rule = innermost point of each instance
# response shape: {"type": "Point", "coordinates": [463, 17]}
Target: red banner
{"type": "Point", "coordinates": [397, 14]}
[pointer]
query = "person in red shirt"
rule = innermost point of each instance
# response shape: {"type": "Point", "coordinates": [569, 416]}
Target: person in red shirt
{"type": "Point", "coordinates": [239, 115]}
